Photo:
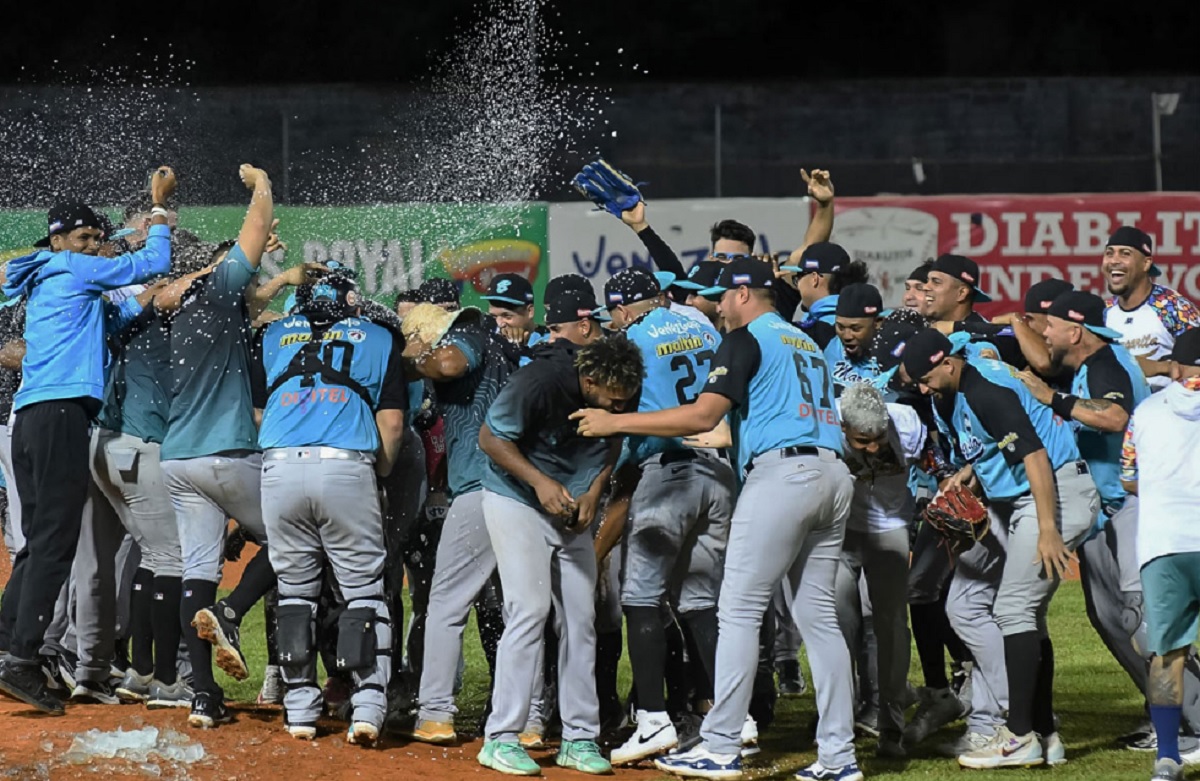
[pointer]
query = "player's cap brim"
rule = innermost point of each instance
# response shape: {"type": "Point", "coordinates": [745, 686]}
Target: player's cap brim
{"type": "Point", "coordinates": [793, 269]}
{"type": "Point", "coordinates": [601, 314]}
{"type": "Point", "coordinates": [120, 234]}
{"type": "Point", "coordinates": [1155, 271]}
{"type": "Point", "coordinates": [981, 297]}
{"type": "Point", "coordinates": [1104, 333]}
{"type": "Point", "coordinates": [507, 300]}
{"type": "Point", "coordinates": [687, 284]}
{"type": "Point", "coordinates": [716, 291]}
{"type": "Point", "coordinates": [664, 279]}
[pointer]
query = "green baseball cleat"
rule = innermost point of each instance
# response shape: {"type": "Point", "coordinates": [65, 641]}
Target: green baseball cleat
{"type": "Point", "coordinates": [508, 758]}
{"type": "Point", "coordinates": [584, 756]}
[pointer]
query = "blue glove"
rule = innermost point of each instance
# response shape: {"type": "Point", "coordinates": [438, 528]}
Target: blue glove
{"type": "Point", "coordinates": [607, 187]}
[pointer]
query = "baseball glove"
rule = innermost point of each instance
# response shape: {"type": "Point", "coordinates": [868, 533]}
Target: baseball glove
{"type": "Point", "coordinates": [959, 516]}
{"type": "Point", "coordinates": [607, 187]}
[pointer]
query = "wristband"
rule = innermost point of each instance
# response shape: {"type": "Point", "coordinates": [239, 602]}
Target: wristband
{"type": "Point", "coordinates": [1063, 404]}
{"type": "Point", "coordinates": [159, 211]}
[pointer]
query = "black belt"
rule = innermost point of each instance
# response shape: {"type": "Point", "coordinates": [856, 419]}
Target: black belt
{"type": "Point", "coordinates": [677, 457]}
{"type": "Point", "coordinates": [793, 452]}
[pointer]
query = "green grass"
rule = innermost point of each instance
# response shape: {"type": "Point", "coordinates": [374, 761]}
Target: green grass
{"type": "Point", "coordinates": [1093, 697]}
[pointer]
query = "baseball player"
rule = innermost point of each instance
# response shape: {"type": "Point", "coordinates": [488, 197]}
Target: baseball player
{"type": "Point", "coordinates": [1108, 384]}
{"type": "Point", "coordinates": [62, 388]}
{"type": "Point", "coordinates": [571, 310]}
{"type": "Point", "coordinates": [1148, 316]}
{"type": "Point", "coordinates": [678, 522]}
{"type": "Point", "coordinates": [542, 490]}
{"type": "Point", "coordinates": [1024, 459]}
{"type": "Point", "coordinates": [951, 293]}
{"type": "Point", "coordinates": [1158, 464]}
{"type": "Point", "coordinates": [857, 315]}
{"type": "Point", "coordinates": [210, 452]}
{"type": "Point", "coordinates": [882, 442]}
{"type": "Point", "coordinates": [510, 302]}
{"type": "Point", "coordinates": [332, 392]}
{"type": "Point", "coordinates": [468, 365]}
{"type": "Point", "coordinates": [770, 378]}
{"type": "Point", "coordinates": [914, 288]}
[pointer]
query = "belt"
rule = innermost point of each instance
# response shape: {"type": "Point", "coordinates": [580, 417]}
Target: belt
{"type": "Point", "coordinates": [316, 454]}
{"type": "Point", "coordinates": [677, 457]}
{"type": "Point", "coordinates": [794, 452]}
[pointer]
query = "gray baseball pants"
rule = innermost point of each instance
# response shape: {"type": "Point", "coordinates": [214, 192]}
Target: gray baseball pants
{"type": "Point", "coordinates": [788, 526]}
{"type": "Point", "coordinates": [326, 509]}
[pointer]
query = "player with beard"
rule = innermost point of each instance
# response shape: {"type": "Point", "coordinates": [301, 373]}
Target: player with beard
{"type": "Point", "coordinates": [1148, 316]}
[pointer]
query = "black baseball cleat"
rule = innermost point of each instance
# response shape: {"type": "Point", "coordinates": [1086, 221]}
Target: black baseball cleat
{"type": "Point", "coordinates": [27, 683]}
{"type": "Point", "coordinates": [791, 681]}
{"type": "Point", "coordinates": [95, 693]}
{"type": "Point", "coordinates": [217, 625]}
{"type": "Point", "coordinates": [208, 710]}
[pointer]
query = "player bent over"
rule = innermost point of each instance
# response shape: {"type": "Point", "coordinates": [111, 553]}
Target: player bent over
{"type": "Point", "coordinates": [332, 392]}
{"type": "Point", "coordinates": [1024, 460]}
{"type": "Point", "coordinates": [773, 383]}
{"type": "Point", "coordinates": [1158, 464]}
{"type": "Point", "coordinates": [541, 492]}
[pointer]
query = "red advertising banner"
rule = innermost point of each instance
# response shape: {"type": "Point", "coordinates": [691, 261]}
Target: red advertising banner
{"type": "Point", "coordinates": [1018, 240]}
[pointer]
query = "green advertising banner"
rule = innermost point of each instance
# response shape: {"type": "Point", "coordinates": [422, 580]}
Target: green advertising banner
{"type": "Point", "coordinates": [393, 247]}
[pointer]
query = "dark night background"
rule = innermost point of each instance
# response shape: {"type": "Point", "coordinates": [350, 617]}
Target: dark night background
{"type": "Point", "coordinates": [677, 40]}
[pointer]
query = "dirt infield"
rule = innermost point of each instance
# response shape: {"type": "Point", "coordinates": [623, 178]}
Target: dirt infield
{"type": "Point", "coordinates": [253, 748]}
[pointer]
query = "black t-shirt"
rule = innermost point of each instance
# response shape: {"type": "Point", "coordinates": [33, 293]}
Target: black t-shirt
{"type": "Point", "coordinates": [735, 364]}
{"type": "Point", "coordinates": [1107, 379]}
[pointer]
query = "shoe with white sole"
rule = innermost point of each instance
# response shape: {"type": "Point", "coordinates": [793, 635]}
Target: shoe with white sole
{"type": "Point", "coordinates": [271, 692]}
{"type": "Point", "coordinates": [134, 687]}
{"type": "Point", "coordinates": [1005, 750]}
{"type": "Point", "coordinates": [702, 763]}
{"type": "Point", "coordinates": [867, 721]}
{"type": "Point", "coordinates": [1053, 751]}
{"type": "Point", "coordinates": [818, 772]}
{"type": "Point", "coordinates": [507, 758]}
{"type": "Point", "coordinates": [1167, 769]}
{"type": "Point", "coordinates": [175, 695]}
{"type": "Point", "coordinates": [363, 733]}
{"type": "Point", "coordinates": [655, 734]}
{"type": "Point", "coordinates": [966, 743]}
{"type": "Point", "coordinates": [302, 731]}
{"type": "Point", "coordinates": [95, 692]}
{"type": "Point", "coordinates": [750, 732]}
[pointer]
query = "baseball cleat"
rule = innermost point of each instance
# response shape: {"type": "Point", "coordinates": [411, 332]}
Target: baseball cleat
{"type": "Point", "coordinates": [584, 756]}
{"type": "Point", "coordinates": [27, 683]}
{"type": "Point", "coordinates": [655, 734]}
{"type": "Point", "coordinates": [532, 738]}
{"type": "Point", "coordinates": [216, 625]}
{"type": "Point", "coordinates": [818, 772]}
{"type": "Point", "coordinates": [702, 763]}
{"type": "Point", "coordinates": [363, 733]}
{"type": "Point", "coordinates": [208, 710]}
{"type": "Point", "coordinates": [1167, 769]}
{"type": "Point", "coordinates": [508, 758]}
{"type": "Point", "coordinates": [1053, 750]}
{"type": "Point", "coordinates": [134, 687]}
{"type": "Point", "coordinates": [1005, 750]}
{"type": "Point", "coordinates": [302, 731]}
{"type": "Point", "coordinates": [95, 693]}
{"type": "Point", "coordinates": [438, 733]}
{"type": "Point", "coordinates": [937, 708]}
{"type": "Point", "coordinates": [791, 681]}
{"type": "Point", "coordinates": [867, 721]}
{"type": "Point", "coordinates": [966, 743]}
{"type": "Point", "coordinates": [271, 692]}
{"type": "Point", "coordinates": [175, 695]}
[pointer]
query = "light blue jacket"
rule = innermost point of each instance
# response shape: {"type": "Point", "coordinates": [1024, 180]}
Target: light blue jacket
{"type": "Point", "coordinates": [67, 318]}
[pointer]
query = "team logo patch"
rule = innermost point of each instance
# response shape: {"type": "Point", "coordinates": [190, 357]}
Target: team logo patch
{"type": "Point", "coordinates": [1076, 316]}
{"type": "Point", "coordinates": [812, 264]}
{"type": "Point", "coordinates": [615, 298]}
{"type": "Point", "coordinates": [716, 373]}
{"type": "Point", "coordinates": [503, 286]}
{"type": "Point", "coordinates": [324, 292]}
{"type": "Point", "coordinates": [56, 226]}
{"type": "Point", "coordinates": [870, 309]}
{"type": "Point", "coordinates": [1009, 443]}
{"type": "Point", "coordinates": [355, 335]}
{"type": "Point", "coordinates": [898, 350]}
{"type": "Point", "coordinates": [1045, 304]}
{"type": "Point", "coordinates": [709, 339]}
{"type": "Point", "coordinates": [741, 279]}
{"type": "Point", "coordinates": [970, 280]}
{"type": "Point", "coordinates": [581, 313]}
{"type": "Point", "coordinates": [351, 297]}
{"type": "Point", "coordinates": [937, 357]}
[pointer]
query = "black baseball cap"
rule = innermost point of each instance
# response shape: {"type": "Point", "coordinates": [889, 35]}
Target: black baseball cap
{"type": "Point", "coordinates": [1084, 308]}
{"type": "Point", "coordinates": [1129, 236]}
{"type": "Point", "coordinates": [745, 272]}
{"type": "Point", "coordinates": [437, 290]}
{"type": "Point", "coordinates": [890, 341]}
{"type": "Point", "coordinates": [964, 270]}
{"type": "Point", "coordinates": [859, 300]}
{"type": "Point", "coordinates": [703, 275]}
{"type": "Point", "coordinates": [569, 298]}
{"type": "Point", "coordinates": [822, 257]}
{"type": "Point", "coordinates": [1041, 295]}
{"type": "Point", "coordinates": [512, 289]}
{"type": "Point", "coordinates": [67, 216]}
{"type": "Point", "coordinates": [632, 285]}
{"type": "Point", "coordinates": [924, 350]}
{"type": "Point", "coordinates": [1187, 348]}
{"type": "Point", "coordinates": [920, 273]}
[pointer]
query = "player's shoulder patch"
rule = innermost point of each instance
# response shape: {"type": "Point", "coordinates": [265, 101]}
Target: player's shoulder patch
{"type": "Point", "coordinates": [717, 373]}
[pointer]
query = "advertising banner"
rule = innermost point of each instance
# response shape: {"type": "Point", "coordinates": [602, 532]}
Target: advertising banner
{"type": "Point", "coordinates": [1018, 240]}
{"type": "Point", "coordinates": [393, 248]}
{"type": "Point", "coordinates": [584, 240]}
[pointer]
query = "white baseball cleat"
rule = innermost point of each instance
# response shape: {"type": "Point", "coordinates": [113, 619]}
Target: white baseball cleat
{"type": "Point", "coordinates": [655, 734]}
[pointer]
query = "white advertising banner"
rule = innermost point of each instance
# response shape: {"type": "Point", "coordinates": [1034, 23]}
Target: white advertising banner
{"type": "Point", "coordinates": [584, 240]}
